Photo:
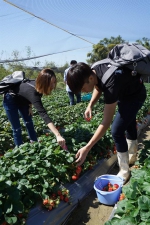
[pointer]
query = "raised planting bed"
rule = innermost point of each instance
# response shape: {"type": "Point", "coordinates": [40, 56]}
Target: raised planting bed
{"type": "Point", "coordinates": [78, 191]}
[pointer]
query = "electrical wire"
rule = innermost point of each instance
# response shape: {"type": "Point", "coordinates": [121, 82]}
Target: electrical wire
{"type": "Point", "coordinates": [35, 57]}
{"type": "Point", "coordinates": [48, 22]}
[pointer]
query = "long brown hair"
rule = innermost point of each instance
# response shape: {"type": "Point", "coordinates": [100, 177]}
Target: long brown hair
{"type": "Point", "coordinates": [43, 81]}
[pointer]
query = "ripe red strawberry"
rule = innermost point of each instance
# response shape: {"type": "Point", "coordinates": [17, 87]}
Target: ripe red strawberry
{"type": "Point", "coordinates": [110, 189]}
{"type": "Point", "coordinates": [4, 223]}
{"type": "Point", "coordinates": [105, 188]}
{"type": "Point", "coordinates": [122, 196]}
{"type": "Point", "coordinates": [66, 199]}
{"type": "Point", "coordinates": [114, 149]}
{"type": "Point", "coordinates": [45, 201]}
{"type": "Point", "coordinates": [53, 196]}
{"type": "Point", "coordinates": [78, 170]}
{"type": "Point", "coordinates": [115, 187]}
{"type": "Point", "coordinates": [88, 119]}
{"type": "Point", "coordinates": [110, 185]}
{"type": "Point", "coordinates": [59, 192]}
{"type": "Point", "coordinates": [20, 215]}
{"type": "Point", "coordinates": [75, 177]}
{"type": "Point", "coordinates": [61, 197]}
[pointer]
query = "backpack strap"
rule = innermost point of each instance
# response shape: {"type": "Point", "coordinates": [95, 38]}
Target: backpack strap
{"type": "Point", "coordinates": [31, 85]}
{"type": "Point", "coordinates": [109, 72]}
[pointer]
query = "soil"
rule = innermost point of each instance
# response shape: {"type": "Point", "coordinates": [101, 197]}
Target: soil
{"type": "Point", "coordinates": [90, 211]}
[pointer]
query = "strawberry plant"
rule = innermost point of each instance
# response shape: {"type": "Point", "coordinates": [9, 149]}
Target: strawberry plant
{"type": "Point", "coordinates": [36, 171]}
{"type": "Point", "coordinates": [28, 173]}
{"type": "Point", "coordinates": [53, 201]}
{"type": "Point", "coordinates": [133, 207]}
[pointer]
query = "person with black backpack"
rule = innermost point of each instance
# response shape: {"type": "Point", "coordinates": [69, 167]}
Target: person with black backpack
{"type": "Point", "coordinates": [19, 100]}
{"type": "Point", "coordinates": [123, 92]}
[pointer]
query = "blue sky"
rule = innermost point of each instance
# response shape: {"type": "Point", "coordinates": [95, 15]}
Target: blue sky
{"type": "Point", "coordinates": [91, 20]}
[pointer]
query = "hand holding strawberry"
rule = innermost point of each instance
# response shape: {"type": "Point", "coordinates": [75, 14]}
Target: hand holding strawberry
{"type": "Point", "coordinates": [88, 119]}
{"type": "Point", "coordinates": [88, 114]}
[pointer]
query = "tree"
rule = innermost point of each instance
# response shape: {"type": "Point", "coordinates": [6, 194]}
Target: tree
{"type": "Point", "coordinates": [3, 71]}
{"type": "Point", "coordinates": [59, 72]}
{"type": "Point", "coordinates": [100, 50]}
{"type": "Point", "coordinates": [23, 65]}
{"type": "Point", "coordinates": [60, 80]}
{"type": "Point", "coordinates": [145, 42]}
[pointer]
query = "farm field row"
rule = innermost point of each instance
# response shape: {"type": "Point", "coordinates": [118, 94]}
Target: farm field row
{"type": "Point", "coordinates": [38, 171]}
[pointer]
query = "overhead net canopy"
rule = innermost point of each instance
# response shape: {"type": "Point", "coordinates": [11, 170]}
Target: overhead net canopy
{"type": "Point", "coordinates": [56, 26]}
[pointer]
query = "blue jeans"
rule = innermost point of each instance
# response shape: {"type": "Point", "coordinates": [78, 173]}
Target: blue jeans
{"type": "Point", "coordinates": [71, 97]}
{"type": "Point", "coordinates": [124, 124]}
{"type": "Point", "coordinates": [13, 109]}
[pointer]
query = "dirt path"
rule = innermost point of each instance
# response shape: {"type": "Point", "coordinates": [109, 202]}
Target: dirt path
{"type": "Point", "coordinates": [90, 211]}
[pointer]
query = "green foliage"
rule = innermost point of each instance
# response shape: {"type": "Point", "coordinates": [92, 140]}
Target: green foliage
{"type": "Point", "coordinates": [100, 50]}
{"type": "Point", "coordinates": [29, 173]}
{"type": "Point", "coordinates": [134, 209]}
{"type": "Point", "coordinates": [60, 81]}
{"type": "Point", "coordinates": [3, 72]}
{"type": "Point", "coordinates": [145, 42]}
{"type": "Point", "coordinates": [34, 171]}
{"type": "Point", "coordinates": [62, 115]}
{"type": "Point", "coordinates": [60, 85]}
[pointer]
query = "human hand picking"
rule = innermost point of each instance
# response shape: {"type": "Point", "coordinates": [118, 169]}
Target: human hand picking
{"type": "Point", "coordinates": [88, 119]}
{"type": "Point", "coordinates": [81, 156]}
{"type": "Point", "coordinates": [88, 114]}
{"type": "Point", "coordinates": [61, 141]}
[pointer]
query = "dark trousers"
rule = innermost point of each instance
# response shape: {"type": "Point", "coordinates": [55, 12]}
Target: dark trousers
{"type": "Point", "coordinates": [72, 97]}
{"type": "Point", "coordinates": [124, 124]}
{"type": "Point", "coordinates": [13, 112]}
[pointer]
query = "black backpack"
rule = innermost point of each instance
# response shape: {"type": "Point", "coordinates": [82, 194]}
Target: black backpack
{"type": "Point", "coordinates": [10, 81]}
{"type": "Point", "coordinates": [133, 56]}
